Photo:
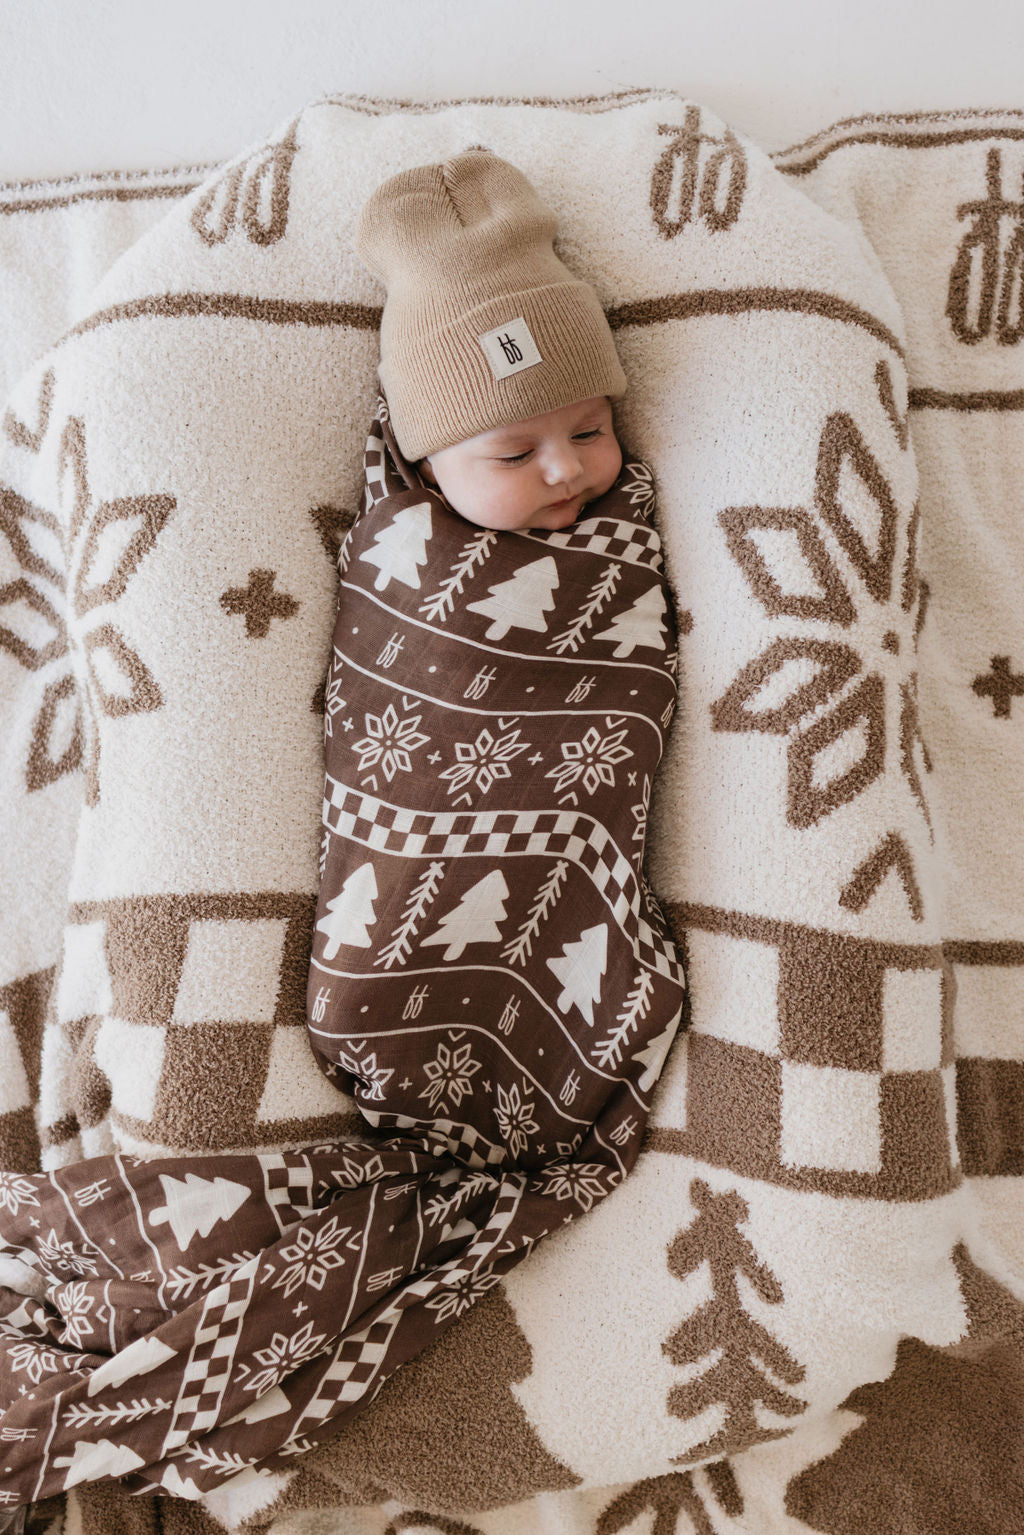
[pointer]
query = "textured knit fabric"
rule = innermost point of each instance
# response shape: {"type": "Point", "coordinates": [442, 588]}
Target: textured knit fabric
{"type": "Point", "coordinates": [465, 250]}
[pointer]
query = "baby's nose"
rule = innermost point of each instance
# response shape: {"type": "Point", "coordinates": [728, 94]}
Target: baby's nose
{"type": "Point", "coordinates": [561, 464]}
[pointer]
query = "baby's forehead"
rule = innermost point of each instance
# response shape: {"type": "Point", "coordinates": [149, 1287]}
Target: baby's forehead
{"type": "Point", "coordinates": [568, 417]}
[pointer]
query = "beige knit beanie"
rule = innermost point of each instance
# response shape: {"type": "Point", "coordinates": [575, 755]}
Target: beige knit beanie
{"type": "Point", "coordinates": [483, 324]}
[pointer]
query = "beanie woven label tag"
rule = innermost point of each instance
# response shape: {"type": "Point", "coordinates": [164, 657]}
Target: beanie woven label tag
{"type": "Point", "coordinates": [510, 348]}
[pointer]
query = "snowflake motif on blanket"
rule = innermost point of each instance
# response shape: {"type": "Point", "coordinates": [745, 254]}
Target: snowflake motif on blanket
{"type": "Point", "coordinates": [105, 541]}
{"type": "Point", "coordinates": [389, 742]}
{"type": "Point", "coordinates": [15, 1191]}
{"type": "Point", "coordinates": [449, 1075]}
{"type": "Point", "coordinates": [76, 1307]}
{"type": "Point", "coordinates": [32, 1361]}
{"type": "Point", "coordinates": [483, 762]}
{"type": "Point", "coordinates": [839, 714]}
{"type": "Point", "coordinates": [459, 1294]}
{"type": "Point", "coordinates": [592, 760]}
{"type": "Point", "coordinates": [364, 1068]}
{"type": "Point", "coordinates": [514, 1112]}
{"type": "Point", "coordinates": [582, 1182]}
{"type": "Point", "coordinates": [63, 1258]}
{"type": "Point", "coordinates": [352, 1173]}
{"type": "Point", "coordinates": [640, 489]}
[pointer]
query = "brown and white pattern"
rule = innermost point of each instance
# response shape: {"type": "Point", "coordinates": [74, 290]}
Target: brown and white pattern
{"type": "Point", "coordinates": [826, 379]}
{"type": "Point", "coordinates": [508, 1107]}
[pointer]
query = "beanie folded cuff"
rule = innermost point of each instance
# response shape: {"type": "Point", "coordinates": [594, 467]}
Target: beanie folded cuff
{"type": "Point", "coordinates": [440, 386]}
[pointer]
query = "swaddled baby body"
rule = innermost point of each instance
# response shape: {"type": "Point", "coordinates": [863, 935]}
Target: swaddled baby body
{"type": "Point", "coordinates": [490, 970]}
{"type": "Point", "coordinates": [488, 959]}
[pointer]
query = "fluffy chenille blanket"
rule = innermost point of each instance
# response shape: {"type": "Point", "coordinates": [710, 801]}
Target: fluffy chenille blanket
{"type": "Point", "coordinates": [803, 1310]}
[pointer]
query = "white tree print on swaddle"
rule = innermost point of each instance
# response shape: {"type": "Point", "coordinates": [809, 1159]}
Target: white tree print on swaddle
{"type": "Point", "coordinates": [475, 920]}
{"type": "Point", "coordinates": [401, 547]}
{"type": "Point", "coordinates": [350, 913]}
{"type": "Point", "coordinates": [521, 602]}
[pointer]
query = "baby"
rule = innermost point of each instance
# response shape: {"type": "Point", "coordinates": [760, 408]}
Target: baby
{"type": "Point", "coordinates": [502, 681]}
{"type": "Point", "coordinates": [497, 363]}
{"type": "Point", "coordinates": [491, 978]}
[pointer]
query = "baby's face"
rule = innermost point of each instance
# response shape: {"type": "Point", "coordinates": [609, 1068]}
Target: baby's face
{"type": "Point", "coordinates": [538, 473]}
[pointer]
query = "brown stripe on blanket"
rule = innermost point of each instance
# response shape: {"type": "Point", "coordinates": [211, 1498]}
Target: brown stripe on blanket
{"type": "Point", "coordinates": [377, 106]}
{"type": "Point", "coordinates": [684, 915]}
{"type": "Point", "coordinates": [984, 951]}
{"type": "Point", "coordinates": [59, 185]}
{"type": "Point", "coordinates": [704, 302]}
{"type": "Point", "coordinates": [924, 398]}
{"type": "Point", "coordinates": [699, 304]}
{"type": "Point", "coordinates": [895, 130]}
{"type": "Point", "coordinates": [232, 306]}
{"type": "Point", "coordinates": [100, 194]}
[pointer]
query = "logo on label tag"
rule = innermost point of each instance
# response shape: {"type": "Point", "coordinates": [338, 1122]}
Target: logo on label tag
{"type": "Point", "coordinates": [510, 348]}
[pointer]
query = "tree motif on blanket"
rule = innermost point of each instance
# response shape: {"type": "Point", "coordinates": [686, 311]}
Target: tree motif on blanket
{"type": "Point", "coordinates": [697, 176]}
{"type": "Point", "coordinates": [415, 1522]}
{"type": "Point", "coordinates": [668, 1497]}
{"type": "Point", "coordinates": [845, 722]}
{"type": "Point", "coordinates": [106, 542]}
{"type": "Point", "coordinates": [986, 281]}
{"type": "Point", "coordinates": [741, 1366]}
{"type": "Point", "coordinates": [252, 196]}
{"type": "Point", "coordinates": [520, 602]}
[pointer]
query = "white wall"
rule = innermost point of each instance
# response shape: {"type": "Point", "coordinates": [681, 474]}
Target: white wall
{"type": "Point", "coordinates": [104, 84]}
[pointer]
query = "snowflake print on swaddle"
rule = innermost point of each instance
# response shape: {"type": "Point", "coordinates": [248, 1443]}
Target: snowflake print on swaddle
{"type": "Point", "coordinates": [491, 975]}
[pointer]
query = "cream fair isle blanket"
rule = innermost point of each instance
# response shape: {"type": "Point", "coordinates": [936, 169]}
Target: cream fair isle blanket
{"type": "Point", "coordinates": [809, 1290]}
